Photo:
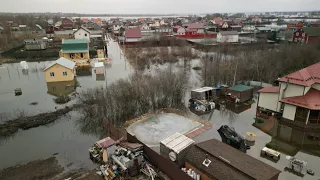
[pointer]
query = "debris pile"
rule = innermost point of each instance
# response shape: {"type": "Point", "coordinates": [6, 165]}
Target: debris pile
{"type": "Point", "coordinates": [120, 159]}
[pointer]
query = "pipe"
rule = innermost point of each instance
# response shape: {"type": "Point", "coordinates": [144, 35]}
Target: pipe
{"type": "Point", "coordinates": [118, 162]}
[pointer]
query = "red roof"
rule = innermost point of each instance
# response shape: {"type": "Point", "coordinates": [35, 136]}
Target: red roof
{"type": "Point", "coordinates": [106, 142]}
{"type": "Point", "coordinates": [272, 89]}
{"type": "Point", "coordinates": [194, 26]}
{"type": "Point", "coordinates": [305, 77]}
{"type": "Point", "coordinates": [311, 100]}
{"type": "Point", "coordinates": [133, 33]}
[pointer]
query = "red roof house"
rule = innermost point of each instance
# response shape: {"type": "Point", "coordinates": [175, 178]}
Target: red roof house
{"type": "Point", "coordinates": [133, 35]}
{"type": "Point", "coordinates": [297, 98]}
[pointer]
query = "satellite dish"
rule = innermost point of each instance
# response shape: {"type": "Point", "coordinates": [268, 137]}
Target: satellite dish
{"type": "Point", "coordinates": [172, 156]}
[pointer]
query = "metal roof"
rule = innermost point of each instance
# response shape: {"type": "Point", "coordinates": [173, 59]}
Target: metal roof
{"type": "Point", "coordinates": [203, 89]}
{"type": "Point", "coordinates": [98, 64]}
{"type": "Point", "coordinates": [240, 88]}
{"type": "Point", "coordinates": [177, 142]}
{"type": "Point", "coordinates": [63, 62]}
{"type": "Point", "coordinates": [74, 46]}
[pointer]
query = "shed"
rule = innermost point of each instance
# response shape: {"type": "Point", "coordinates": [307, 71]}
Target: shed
{"type": "Point", "coordinates": [203, 93]}
{"type": "Point", "coordinates": [35, 44]}
{"type": "Point", "coordinates": [175, 147]}
{"type": "Point", "coordinates": [99, 68]}
{"type": "Point", "coordinates": [242, 92]}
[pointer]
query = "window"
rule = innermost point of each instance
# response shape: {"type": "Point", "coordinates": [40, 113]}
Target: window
{"type": "Point", "coordinates": [314, 117]}
{"type": "Point", "coordinates": [64, 73]}
{"type": "Point", "coordinates": [52, 74]}
{"type": "Point", "coordinates": [81, 55]}
{"type": "Point", "coordinates": [301, 114]}
{"type": "Point", "coordinates": [85, 34]}
{"type": "Point", "coordinates": [303, 34]}
{"type": "Point", "coordinates": [54, 88]}
{"type": "Point", "coordinates": [297, 34]}
{"type": "Point", "coordinates": [72, 56]}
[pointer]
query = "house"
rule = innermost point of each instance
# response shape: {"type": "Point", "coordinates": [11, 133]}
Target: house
{"type": "Point", "coordinates": [60, 70]}
{"type": "Point", "coordinates": [228, 37]}
{"type": "Point", "coordinates": [242, 92]}
{"type": "Point", "coordinates": [164, 29]}
{"type": "Point", "coordinates": [76, 50]}
{"type": "Point", "coordinates": [249, 28]}
{"type": "Point", "coordinates": [196, 27]}
{"type": "Point", "coordinates": [179, 30]}
{"type": "Point", "coordinates": [306, 35]}
{"type": "Point", "coordinates": [213, 159]}
{"type": "Point", "coordinates": [67, 23]}
{"type": "Point", "coordinates": [22, 27]}
{"type": "Point", "coordinates": [132, 35]}
{"type": "Point", "coordinates": [144, 26]}
{"type": "Point", "coordinates": [116, 27]}
{"type": "Point", "coordinates": [296, 100]}
{"type": "Point", "coordinates": [35, 44]}
{"type": "Point", "coordinates": [82, 33]}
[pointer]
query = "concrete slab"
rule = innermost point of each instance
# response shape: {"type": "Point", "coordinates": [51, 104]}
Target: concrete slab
{"type": "Point", "coordinates": [155, 128]}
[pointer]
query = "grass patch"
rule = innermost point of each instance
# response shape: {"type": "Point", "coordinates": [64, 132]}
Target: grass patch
{"type": "Point", "coordinates": [196, 68]}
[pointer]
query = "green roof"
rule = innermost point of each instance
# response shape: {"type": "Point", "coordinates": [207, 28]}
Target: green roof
{"type": "Point", "coordinates": [240, 88]}
{"type": "Point", "coordinates": [312, 31]}
{"type": "Point", "coordinates": [74, 46]}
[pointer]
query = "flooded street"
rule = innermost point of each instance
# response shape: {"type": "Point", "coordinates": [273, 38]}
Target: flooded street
{"type": "Point", "coordinates": [71, 144]}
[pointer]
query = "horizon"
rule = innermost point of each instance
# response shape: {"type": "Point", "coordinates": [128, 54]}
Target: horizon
{"type": "Point", "coordinates": [155, 7]}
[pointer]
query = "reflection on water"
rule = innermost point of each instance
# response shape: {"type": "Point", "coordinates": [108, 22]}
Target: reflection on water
{"type": "Point", "coordinates": [61, 88]}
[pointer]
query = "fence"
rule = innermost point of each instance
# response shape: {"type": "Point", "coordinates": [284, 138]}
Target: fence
{"type": "Point", "coordinates": [165, 165]}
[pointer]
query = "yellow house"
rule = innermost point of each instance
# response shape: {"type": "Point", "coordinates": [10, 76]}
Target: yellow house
{"type": "Point", "coordinates": [60, 70]}
{"type": "Point", "coordinates": [76, 50]}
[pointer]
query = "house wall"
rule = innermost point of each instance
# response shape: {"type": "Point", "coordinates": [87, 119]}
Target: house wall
{"type": "Point", "coordinates": [77, 56]}
{"type": "Point", "coordinates": [200, 31]}
{"type": "Point", "coordinates": [306, 89]}
{"type": "Point", "coordinates": [299, 36]}
{"type": "Point", "coordinates": [289, 111]}
{"type": "Point", "coordinates": [202, 175]}
{"type": "Point", "coordinates": [61, 88]}
{"type": "Point", "coordinates": [229, 38]}
{"type": "Point", "coordinates": [246, 95]}
{"type": "Point", "coordinates": [316, 86]}
{"type": "Point", "coordinates": [269, 101]}
{"type": "Point", "coordinates": [292, 90]}
{"type": "Point", "coordinates": [58, 74]}
{"type": "Point", "coordinates": [133, 39]}
{"type": "Point", "coordinates": [81, 34]}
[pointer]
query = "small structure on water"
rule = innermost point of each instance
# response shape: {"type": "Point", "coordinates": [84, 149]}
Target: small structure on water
{"type": "Point", "coordinates": [240, 93]}
{"type": "Point", "coordinates": [17, 91]}
{"type": "Point", "coordinates": [24, 65]}
{"type": "Point", "coordinates": [60, 70]}
{"type": "Point", "coordinates": [202, 99]}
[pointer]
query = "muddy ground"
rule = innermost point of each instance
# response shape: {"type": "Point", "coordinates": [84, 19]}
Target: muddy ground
{"type": "Point", "coordinates": [10, 127]}
{"type": "Point", "coordinates": [45, 169]}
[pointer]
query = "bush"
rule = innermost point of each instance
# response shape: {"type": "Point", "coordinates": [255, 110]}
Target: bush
{"type": "Point", "coordinates": [272, 146]}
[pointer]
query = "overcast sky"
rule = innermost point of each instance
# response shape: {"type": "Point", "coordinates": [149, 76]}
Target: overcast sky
{"type": "Point", "coordinates": [156, 6]}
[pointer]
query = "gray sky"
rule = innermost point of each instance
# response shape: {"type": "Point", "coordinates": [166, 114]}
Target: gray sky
{"type": "Point", "coordinates": [156, 6]}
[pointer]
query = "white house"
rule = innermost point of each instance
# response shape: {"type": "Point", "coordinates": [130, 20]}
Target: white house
{"type": "Point", "coordinates": [116, 27]}
{"type": "Point", "coordinates": [297, 98]}
{"type": "Point", "coordinates": [228, 37]}
{"type": "Point", "coordinates": [178, 30]}
{"type": "Point", "coordinates": [144, 26]}
{"type": "Point", "coordinates": [82, 33]}
{"type": "Point", "coordinates": [249, 28]}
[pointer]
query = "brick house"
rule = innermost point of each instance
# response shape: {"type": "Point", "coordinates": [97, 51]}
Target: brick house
{"type": "Point", "coordinates": [306, 35]}
{"type": "Point", "coordinates": [213, 159]}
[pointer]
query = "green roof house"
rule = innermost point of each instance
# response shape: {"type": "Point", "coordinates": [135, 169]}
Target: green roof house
{"type": "Point", "coordinates": [76, 50]}
{"type": "Point", "coordinates": [242, 92]}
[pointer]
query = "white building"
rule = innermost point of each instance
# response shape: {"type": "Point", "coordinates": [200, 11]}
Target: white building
{"type": "Point", "coordinates": [297, 98]}
{"type": "Point", "coordinates": [116, 27]}
{"type": "Point", "coordinates": [82, 33]}
{"type": "Point", "coordinates": [178, 30]}
{"type": "Point", "coordinates": [145, 26]}
{"type": "Point", "coordinates": [228, 37]}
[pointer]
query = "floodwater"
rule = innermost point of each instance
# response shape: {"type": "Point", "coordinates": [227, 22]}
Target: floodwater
{"type": "Point", "coordinates": [157, 127]}
{"type": "Point", "coordinates": [71, 142]}
{"type": "Point", "coordinates": [287, 139]}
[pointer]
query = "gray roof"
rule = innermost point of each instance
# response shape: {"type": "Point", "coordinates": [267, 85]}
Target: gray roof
{"type": "Point", "coordinates": [33, 40]}
{"type": "Point", "coordinates": [225, 33]}
{"type": "Point", "coordinates": [83, 29]}
{"type": "Point", "coordinates": [63, 62]}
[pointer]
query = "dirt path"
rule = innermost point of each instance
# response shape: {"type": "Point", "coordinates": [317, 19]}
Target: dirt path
{"type": "Point", "coordinates": [10, 127]}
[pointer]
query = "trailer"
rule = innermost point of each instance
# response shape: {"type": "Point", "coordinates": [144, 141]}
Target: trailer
{"type": "Point", "coordinates": [270, 153]}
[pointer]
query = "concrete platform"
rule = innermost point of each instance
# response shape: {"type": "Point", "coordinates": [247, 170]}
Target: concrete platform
{"type": "Point", "coordinates": [153, 129]}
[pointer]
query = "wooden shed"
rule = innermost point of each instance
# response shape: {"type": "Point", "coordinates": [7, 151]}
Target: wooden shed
{"type": "Point", "coordinates": [242, 92]}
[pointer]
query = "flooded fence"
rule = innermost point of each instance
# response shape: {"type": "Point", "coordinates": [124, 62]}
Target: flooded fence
{"type": "Point", "coordinates": [166, 166]}
{"type": "Point", "coordinates": [113, 132]}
